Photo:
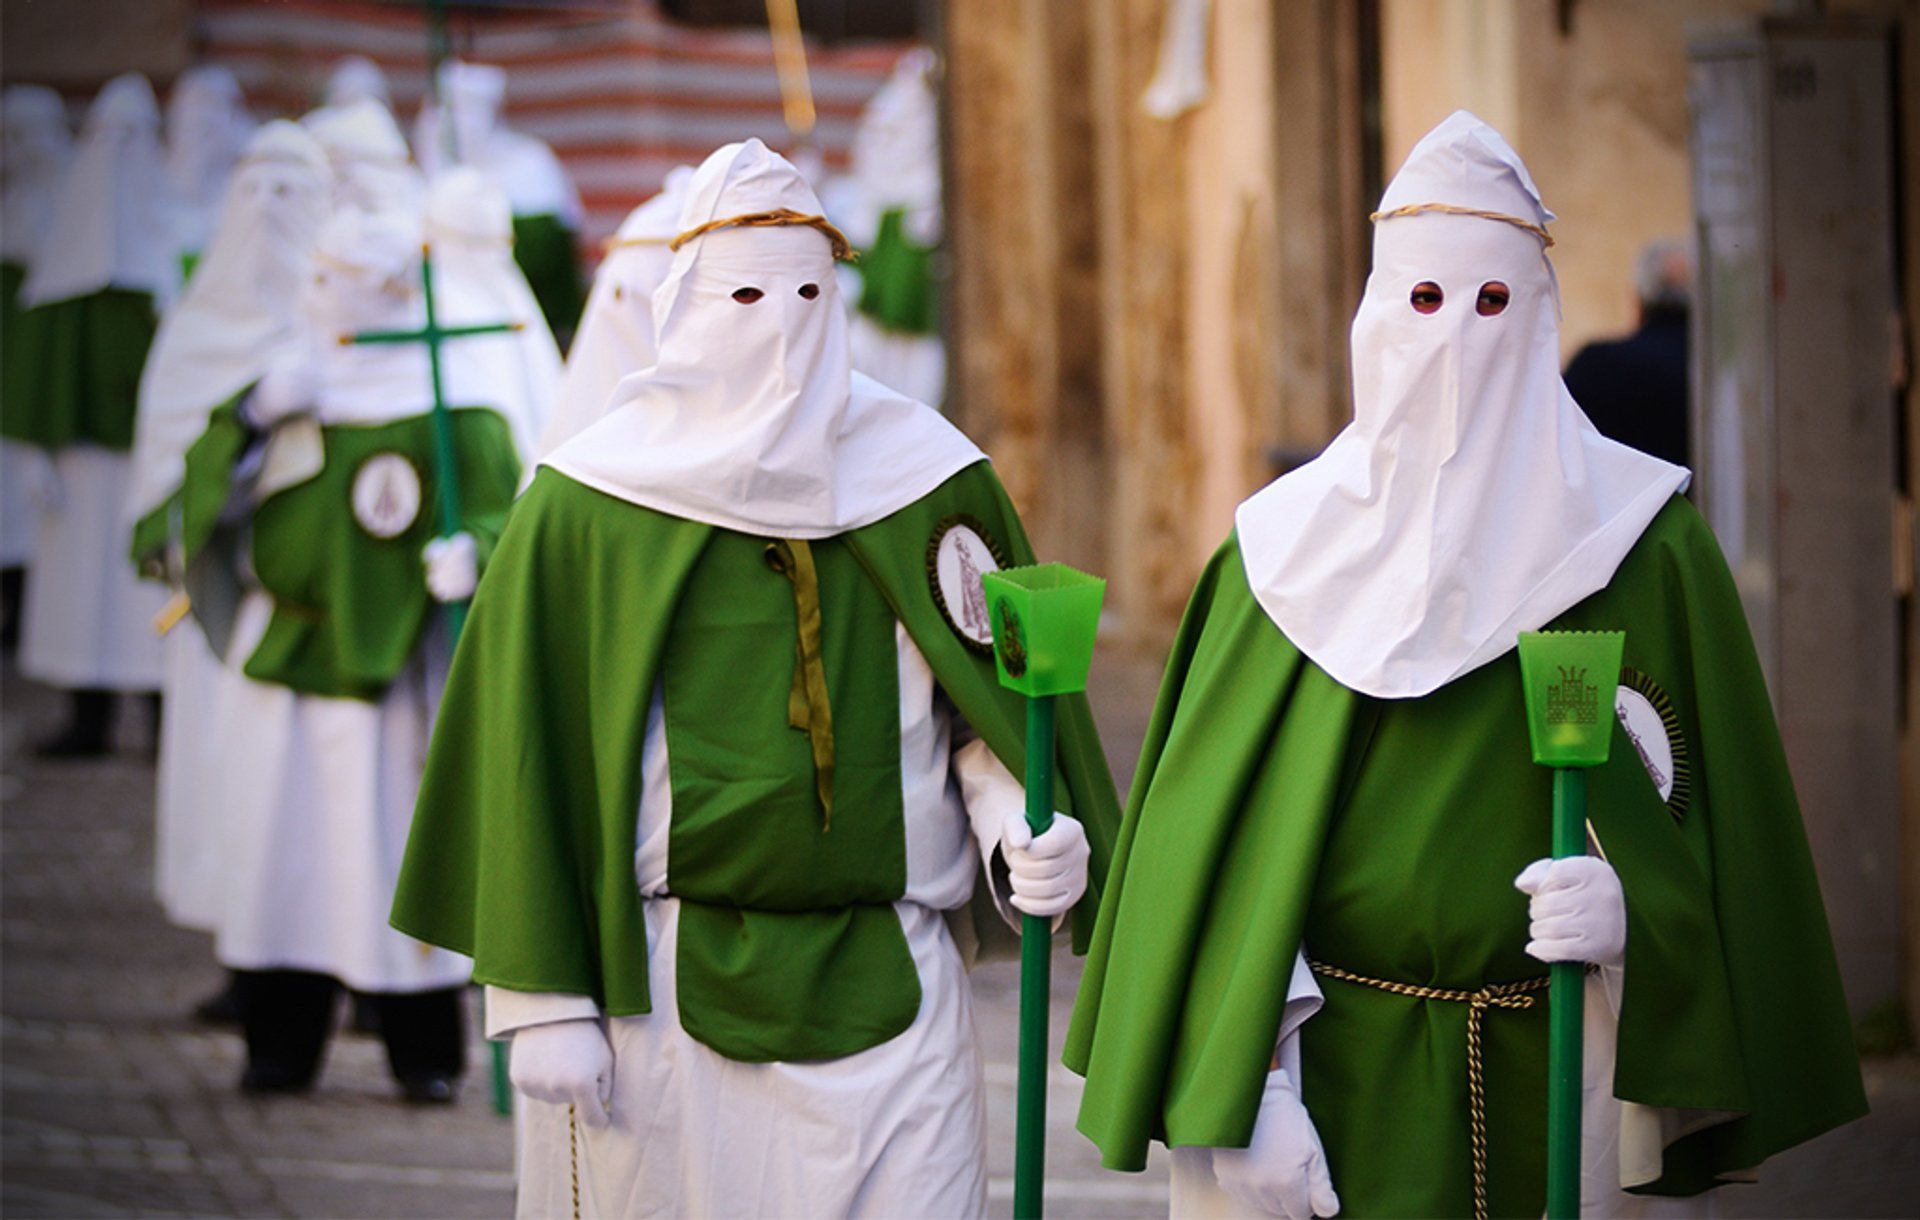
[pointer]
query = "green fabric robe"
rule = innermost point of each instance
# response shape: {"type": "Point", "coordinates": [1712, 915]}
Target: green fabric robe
{"type": "Point", "coordinates": [896, 280]}
{"type": "Point", "coordinates": [349, 607]}
{"type": "Point", "coordinates": [1275, 809]}
{"type": "Point", "coordinates": [72, 373]}
{"type": "Point", "coordinates": [522, 851]}
{"type": "Point", "coordinates": [543, 246]}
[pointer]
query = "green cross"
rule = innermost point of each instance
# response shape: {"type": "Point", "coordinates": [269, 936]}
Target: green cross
{"type": "Point", "coordinates": [446, 461]}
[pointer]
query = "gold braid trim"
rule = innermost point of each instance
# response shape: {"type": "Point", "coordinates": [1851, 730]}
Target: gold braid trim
{"type": "Point", "coordinates": [808, 708]}
{"type": "Point", "coordinates": [842, 248]}
{"type": "Point", "coordinates": [1493, 995]}
{"type": "Point", "coordinates": [624, 243]}
{"type": "Point", "coordinates": [1449, 209]}
{"type": "Point", "coordinates": [573, 1158]}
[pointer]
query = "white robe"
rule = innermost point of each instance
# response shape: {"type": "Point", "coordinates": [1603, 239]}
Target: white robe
{"type": "Point", "coordinates": [895, 1130]}
{"type": "Point", "coordinates": [189, 874]}
{"type": "Point", "coordinates": [319, 795]}
{"type": "Point", "coordinates": [88, 622]}
{"type": "Point", "coordinates": [22, 470]}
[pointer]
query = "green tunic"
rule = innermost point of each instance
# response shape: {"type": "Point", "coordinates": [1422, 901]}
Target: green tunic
{"type": "Point", "coordinates": [544, 247]}
{"type": "Point", "coordinates": [896, 280]}
{"type": "Point", "coordinates": [1275, 809]}
{"type": "Point", "coordinates": [523, 844]}
{"type": "Point", "coordinates": [72, 372]}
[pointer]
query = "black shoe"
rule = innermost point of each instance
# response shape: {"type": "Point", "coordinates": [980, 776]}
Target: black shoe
{"type": "Point", "coordinates": [429, 1090]}
{"type": "Point", "coordinates": [363, 1014]}
{"type": "Point", "coordinates": [220, 1008]}
{"type": "Point", "coordinates": [89, 731]}
{"type": "Point", "coordinates": [262, 1078]}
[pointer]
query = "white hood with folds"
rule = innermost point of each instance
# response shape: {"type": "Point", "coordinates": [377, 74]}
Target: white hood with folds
{"type": "Point", "coordinates": [1469, 500]}
{"type": "Point", "coordinates": [752, 417]}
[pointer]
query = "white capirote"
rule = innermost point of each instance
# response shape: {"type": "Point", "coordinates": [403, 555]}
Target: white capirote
{"type": "Point", "coordinates": [1469, 500]}
{"type": "Point", "coordinates": [752, 418]}
{"type": "Point", "coordinates": [207, 130]}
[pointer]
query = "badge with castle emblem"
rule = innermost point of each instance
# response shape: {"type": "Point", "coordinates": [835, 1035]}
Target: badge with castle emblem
{"type": "Point", "coordinates": [1646, 715]}
{"type": "Point", "coordinates": [386, 495]}
{"type": "Point", "coordinates": [958, 555]}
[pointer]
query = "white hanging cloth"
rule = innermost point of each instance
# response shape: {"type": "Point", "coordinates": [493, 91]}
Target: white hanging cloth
{"type": "Point", "coordinates": [752, 418]}
{"type": "Point", "coordinates": [1469, 500]}
{"type": "Point", "coordinates": [112, 218]}
{"type": "Point", "coordinates": [616, 329]}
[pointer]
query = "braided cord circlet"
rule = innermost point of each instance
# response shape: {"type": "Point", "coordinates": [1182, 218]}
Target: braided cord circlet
{"type": "Point", "coordinates": [1493, 995]}
{"type": "Point", "coordinates": [842, 248]}
{"type": "Point", "coordinates": [1453, 209]}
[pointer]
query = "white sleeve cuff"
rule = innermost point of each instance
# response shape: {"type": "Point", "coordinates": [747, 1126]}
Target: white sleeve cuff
{"type": "Point", "coordinates": [508, 1010]}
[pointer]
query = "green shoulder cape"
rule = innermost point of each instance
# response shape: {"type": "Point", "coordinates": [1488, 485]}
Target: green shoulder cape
{"type": "Point", "coordinates": [72, 373]}
{"type": "Point", "coordinates": [1254, 757]}
{"type": "Point", "coordinates": [522, 848]}
{"type": "Point", "coordinates": [543, 246]}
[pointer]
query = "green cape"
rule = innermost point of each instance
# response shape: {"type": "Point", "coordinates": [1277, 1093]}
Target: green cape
{"type": "Point", "coordinates": [1254, 756]}
{"type": "Point", "coordinates": [896, 280]}
{"type": "Point", "coordinates": [523, 842]}
{"type": "Point", "coordinates": [72, 373]}
{"type": "Point", "coordinates": [544, 247]}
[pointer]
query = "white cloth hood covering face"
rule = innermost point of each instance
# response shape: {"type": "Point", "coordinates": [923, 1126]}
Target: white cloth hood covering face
{"type": "Point", "coordinates": [238, 312]}
{"type": "Point", "coordinates": [207, 127]}
{"type": "Point", "coordinates": [476, 282]}
{"type": "Point", "coordinates": [371, 169]}
{"type": "Point", "coordinates": [356, 78]}
{"type": "Point", "coordinates": [1469, 500]}
{"type": "Point", "coordinates": [616, 329]}
{"type": "Point", "coordinates": [37, 149]}
{"type": "Point", "coordinates": [752, 418]}
{"type": "Point", "coordinates": [366, 277]}
{"type": "Point", "coordinates": [112, 219]}
{"type": "Point", "coordinates": [524, 167]}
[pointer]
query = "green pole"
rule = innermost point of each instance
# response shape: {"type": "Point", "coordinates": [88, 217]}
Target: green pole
{"type": "Point", "coordinates": [1567, 1009]}
{"type": "Point", "coordinates": [1036, 975]}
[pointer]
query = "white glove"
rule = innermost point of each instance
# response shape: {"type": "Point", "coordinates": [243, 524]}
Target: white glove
{"type": "Point", "coordinates": [1282, 1170]}
{"type": "Point", "coordinates": [1577, 909]}
{"type": "Point", "coordinates": [286, 389]}
{"type": "Point", "coordinates": [1048, 874]}
{"type": "Point", "coordinates": [566, 1063]}
{"type": "Point", "coordinates": [453, 567]}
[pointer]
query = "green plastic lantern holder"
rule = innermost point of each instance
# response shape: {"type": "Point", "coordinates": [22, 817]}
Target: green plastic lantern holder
{"type": "Point", "coordinates": [1570, 679]}
{"type": "Point", "coordinates": [446, 465]}
{"type": "Point", "coordinates": [1044, 620]}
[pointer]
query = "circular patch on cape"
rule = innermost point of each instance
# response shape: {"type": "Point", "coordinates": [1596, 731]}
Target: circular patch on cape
{"type": "Point", "coordinates": [958, 555]}
{"type": "Point", "coordinates": [386, 495]}
{"type": "Point", "coordinates": [1653, 727]}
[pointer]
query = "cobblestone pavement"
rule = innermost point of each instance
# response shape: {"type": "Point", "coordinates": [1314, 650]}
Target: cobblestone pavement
{"type": "Point", "coordinates": [115, 1104]}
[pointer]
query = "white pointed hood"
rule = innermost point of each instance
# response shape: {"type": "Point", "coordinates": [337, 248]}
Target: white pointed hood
{"type": "Point", "coordinates": [238, 313]}
{"type": "Point", "coordinates": [371, 168]}
{"type": "Point", "coordinates": [1469, 500]}
{"type": "Point", "coordinates": [112, 217]}
{"type": "Point", "coordinates": [752, 417]}
{"type": "Point", "coordinates": [476, 282]}
{"type": "Point", "coordinates": [207, 128]}
{"type": "Point", "coordinates": [616, 330]}
{"type": "Point", "coordinates": [37, 148]}
{"type": "Point", "coordinates": [356, 78]}
{"type": "Point", "coordinates": [463, 126]}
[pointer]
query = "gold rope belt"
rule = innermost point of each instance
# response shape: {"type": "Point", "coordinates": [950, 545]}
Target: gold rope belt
{"type": "Point", "coordinates": [1493, 995]}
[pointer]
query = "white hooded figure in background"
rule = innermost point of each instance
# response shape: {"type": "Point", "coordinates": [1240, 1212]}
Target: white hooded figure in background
{"type": "Point", "coordinates": [462, 126]}
{"type": "Point", "coordinates": [476, 282]}
{"type": "Point", "coordinates": [237, 316]}
{"type": "Point", "coordinates": [371, 168]}
{"type": "Point", "coordinates": [356, 78]}
{"type": "Point", "coordinates": [37, 148]}
{"type": "Point", "coordinates": [107, 264]}
{"type": "Point", "coordinates": [890, 207]}
{"type": "Point", "coordinates": [207, 127]}
{"type": "Point", "coordinates": [616, 334]}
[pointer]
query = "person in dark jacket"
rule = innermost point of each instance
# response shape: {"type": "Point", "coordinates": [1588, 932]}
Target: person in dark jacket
{"type": "Point", "coordinates": [1635, 389]}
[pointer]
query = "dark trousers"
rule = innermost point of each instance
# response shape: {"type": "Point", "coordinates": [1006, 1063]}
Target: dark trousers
{"type": "Point", "coordinates": [288, 1014]}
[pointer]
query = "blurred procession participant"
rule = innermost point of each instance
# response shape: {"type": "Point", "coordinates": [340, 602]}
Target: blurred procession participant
{"type": "Point", "coordinates": [331, 457]}
{"type": "Point", "coordinates": [616, 334]}
{"type": "Point", "coordinates": [237, 315]}
{"type": "Point", "coordinates": [1635, 389]}
{"type": "Point", "coordinates": [207, 128]}
{"type": "Point", "coordinates": [356, 78]}
{"type": "Point", "coordinates": [372, 170]}
{"type": "Point", "coordinates": [1315, 980]}
{"type": "Point", "coordinates": [722, 757]}
{"type": "Point", "coordinates": [108, 264]}
{"type": "Point", "coordinates": [37, 148]}
{"type": "Point", "coordinates": [465, 128]}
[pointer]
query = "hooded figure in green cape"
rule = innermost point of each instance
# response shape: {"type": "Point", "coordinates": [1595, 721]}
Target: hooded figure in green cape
{"type": "Point", "coordinates": [723, 755]}
{"type": "Point", "coordinates": [1313, 977]}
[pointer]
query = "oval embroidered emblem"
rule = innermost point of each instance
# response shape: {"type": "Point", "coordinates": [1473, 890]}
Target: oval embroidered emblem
{"type": "Point", "coordinates": [958, 555]}
{"type": "Point", "coordinates": [386, 495]}
{"type": "Point", "coordinates": [1647, 716]}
